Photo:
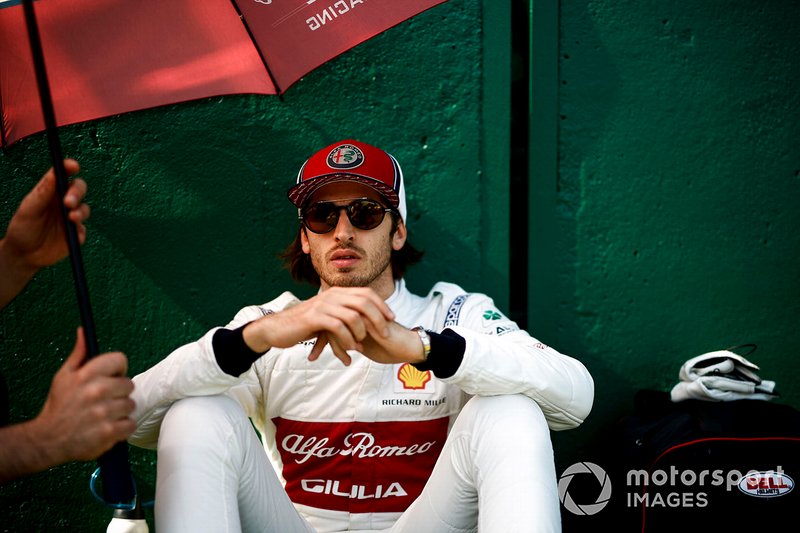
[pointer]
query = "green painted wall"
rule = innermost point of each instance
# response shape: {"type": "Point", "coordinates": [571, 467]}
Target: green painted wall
{"type": "Point", "coordinates": [673, 215]}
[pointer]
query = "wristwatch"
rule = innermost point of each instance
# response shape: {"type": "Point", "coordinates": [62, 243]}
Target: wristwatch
{"type": "Point", "coordinates": [426, 341]}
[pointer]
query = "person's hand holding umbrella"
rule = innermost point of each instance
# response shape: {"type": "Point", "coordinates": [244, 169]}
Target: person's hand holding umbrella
{"type": "Point", "coordinates": [85, 414]}
{"type": "Point", "coordinates": [87, 407]}
{"type": "Point", "coordinates": [35, 235]}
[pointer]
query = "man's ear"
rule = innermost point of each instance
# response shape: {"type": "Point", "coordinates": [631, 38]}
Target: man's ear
{"type": "Point", "coordinates": [304, 241]}
{"type": "Point", "coordinates": [400, 235]}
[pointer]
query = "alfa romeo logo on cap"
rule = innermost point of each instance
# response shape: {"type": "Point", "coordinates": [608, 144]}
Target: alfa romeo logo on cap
{"type": "Point", "coordinates": [345, 156]}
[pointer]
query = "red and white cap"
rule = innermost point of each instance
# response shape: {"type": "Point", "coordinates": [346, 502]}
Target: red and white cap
{"type": "Point", "coordinates": [351, 160]}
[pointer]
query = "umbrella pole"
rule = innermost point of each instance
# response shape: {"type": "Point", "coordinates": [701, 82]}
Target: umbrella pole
{"type": "Point", "coordinates": [118, 484]}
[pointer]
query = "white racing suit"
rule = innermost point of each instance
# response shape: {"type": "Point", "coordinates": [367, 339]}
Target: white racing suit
{"type": "Point", "coordinates": [354, 446]}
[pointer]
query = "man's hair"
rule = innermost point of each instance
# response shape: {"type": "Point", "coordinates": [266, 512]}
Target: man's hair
{"type": "Point", "coordinates": [299, 265]}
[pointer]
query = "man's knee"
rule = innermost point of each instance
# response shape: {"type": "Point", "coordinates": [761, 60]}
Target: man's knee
{"type": "Point", "coordinates": [509, 424]}
{"type": "Point", "coordinates": [202, 418]}
{"type": "Point", "coordinates": [506, 412]}
{"type": "Point", "coordinates": [504, 437]}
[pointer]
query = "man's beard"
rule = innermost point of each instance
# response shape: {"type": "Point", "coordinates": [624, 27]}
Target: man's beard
{"type": "Point", "coordinates": [375, 266]}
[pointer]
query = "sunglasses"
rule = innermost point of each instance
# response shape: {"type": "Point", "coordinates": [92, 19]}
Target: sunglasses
{"type": "Point", "coordinates": [363, 213]}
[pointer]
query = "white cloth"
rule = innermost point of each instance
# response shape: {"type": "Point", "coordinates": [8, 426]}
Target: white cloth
{"type": "Point", "coordinates": [495, 474]}
{"type": "Point", "coordinates": [355, 445]}
{"type": "Point", "coordinates": [721, 376]}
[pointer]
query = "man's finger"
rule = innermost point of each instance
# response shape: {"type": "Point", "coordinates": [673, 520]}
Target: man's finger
{"type": "Point", "coordinates": [107, 364]}
{"type": "Point", "coordinates": [71, 166]}
{"type": "Point", "coordinates": [371, 300]}
{"type": "Point", "coordinates": [360, 299]}
{"type": "Point", "coordinates": [117, 387]}
{"type": "Point", "coordinates": [335, 327]}
{"type": "Point", "coordinates": [75, 193]}
{"type": "Point", "coordinates": [45, 190]}
{"type": "Point", "coordinates": [120, 408]}
{"type": "Point", "coordinates": [339, 352]}
{"type": "Point", "coordinates": [376, 322]}
{"type": "Point", "coordinates": [80, 213]}
{"type": "Point", "coordinates": [319, 345]}
{"type": "Point", "coordinates": [81, 229]}
{"type": "Point", "coordinates": [352, 320]}
{"type": "Point", "coordinates": [78, 355]}
{"type": "Point", "coordinates": [370, 306]}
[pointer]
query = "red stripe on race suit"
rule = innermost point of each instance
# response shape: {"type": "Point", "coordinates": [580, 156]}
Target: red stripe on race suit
{"type": "Point", "coordinates": [358, 467]}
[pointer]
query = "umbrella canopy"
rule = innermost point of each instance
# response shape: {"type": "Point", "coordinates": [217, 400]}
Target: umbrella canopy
{"type": "Point", "coordinates": [106, 57]}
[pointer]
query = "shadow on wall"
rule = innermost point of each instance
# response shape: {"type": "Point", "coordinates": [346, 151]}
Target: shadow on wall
{"type": "Point", "coordinates": [208, 241]}
{"type": "Point", "coordinates": [211, 271]}
{"type": "Point", "coordinates": [589, 90]}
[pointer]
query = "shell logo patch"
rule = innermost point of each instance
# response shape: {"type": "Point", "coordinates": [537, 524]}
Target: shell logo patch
{"type": "Point", "coordinates": [345, 157]}
{"type": "Point", "coordinates": [411, 378]}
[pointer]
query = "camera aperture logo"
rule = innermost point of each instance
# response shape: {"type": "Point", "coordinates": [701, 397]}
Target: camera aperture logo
{"type": "Point", "coordinates": [585, 508]}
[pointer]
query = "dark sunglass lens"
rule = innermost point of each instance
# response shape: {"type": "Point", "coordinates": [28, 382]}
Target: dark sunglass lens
{"type": "Point", "coordinates": [365, 214]}
{"type": "Point", "coordinates": [321, 217]}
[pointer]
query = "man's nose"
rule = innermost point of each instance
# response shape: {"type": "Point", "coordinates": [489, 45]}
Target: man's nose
{"type": "Point", "coordinates": [344, 229]}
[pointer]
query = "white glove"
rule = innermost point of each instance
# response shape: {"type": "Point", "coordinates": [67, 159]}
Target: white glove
{"type": "Point", "coordinates": [721, 376]}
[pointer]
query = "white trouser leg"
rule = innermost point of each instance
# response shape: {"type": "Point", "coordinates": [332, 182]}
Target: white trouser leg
{"type": "Point", "coordinates": [214, 476]}
{"type": "Point", "coordinates": [495, 474]}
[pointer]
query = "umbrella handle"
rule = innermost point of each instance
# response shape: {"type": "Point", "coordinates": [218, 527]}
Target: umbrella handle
{"type": "Point", "coordinates": [114, 466]}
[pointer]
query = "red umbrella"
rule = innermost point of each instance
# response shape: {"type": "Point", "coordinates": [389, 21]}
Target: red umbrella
{"type": "Point", "coordinates": [88, 59]}
{"type": "Point", "coordinates": [106, 57]}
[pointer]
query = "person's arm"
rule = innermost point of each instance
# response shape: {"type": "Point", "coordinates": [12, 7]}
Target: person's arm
{"type": "Point", "coordinates": [497, 357]}
{"type": "Point", "coordinates": [85, 414]}
{"type": "Point", "coordinates": [35, 236]}
{"type": "Point", "coordinates": [200, 368]}
{"type": "Point", "coordinates": [485, 353]}
{"type": "Point", "coordinates": [221, 360]}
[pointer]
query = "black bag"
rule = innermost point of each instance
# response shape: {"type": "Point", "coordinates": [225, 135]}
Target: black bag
{"type": "Point", "coordinates": [692, 465]}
